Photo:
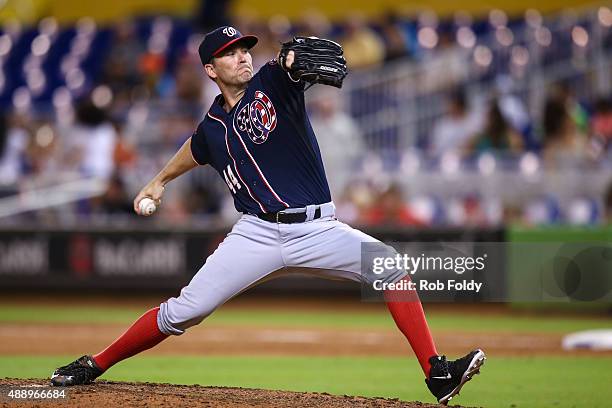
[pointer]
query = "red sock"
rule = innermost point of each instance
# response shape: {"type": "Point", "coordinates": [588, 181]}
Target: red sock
{"type": "Point", "coordinates": [407, 311]}
{"type": "Point", "coordinates": [141, 336]}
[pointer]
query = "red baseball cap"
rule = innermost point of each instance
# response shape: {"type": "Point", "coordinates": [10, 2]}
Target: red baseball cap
{"type": "Point", "coordinates": [221, 38]}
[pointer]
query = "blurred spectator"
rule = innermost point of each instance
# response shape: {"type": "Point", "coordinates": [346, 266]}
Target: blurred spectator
{"type": "Point", "coordinates": [313, 22]}
{"type": "Point", "coordinates": [428, 209]}
{"type": "Point", "coordinates": [13, 144]}
{"type": "Point", "coordinates": [393, 35]}
{"type": "Point", "coordinates": [453, 132]}
{"type": "Point", "coordinates": [4, 129]}
{"type": "Point", "coordinates": [192, 200]}
{"type": "Point", "coordinates": [356, 197]}
{"type": "Point", "coordinates": [472, 210]}
{"type": "Point", "coordinates": [446, 64]}
{"type": "Point", "coordinates": [475, 211]}
{"type": "Point", "coordinates": [122, 68]}
{"type": "Point", "coordinates": [514, 109]}
{"type": "Point", "coordinates": [362, 46]}
{"type": "Point", "coordinates": [151, 66]}
{"type": "Point", "coordinates": [374, 101]}
{"type": "Point", "coordinates": [186, 85]}
{"type": "Point", "coordinates": [115, 199]}
{"type": "Point", "coordinates": [268, 44]}
{"type": "Point", "coordinates": [497, 135]}
{"type": "Point", "coordinates": [601, 123]}
{"type": "Point", "coordinates": [125, 155]}
{"type": "Point", "coordinates": [608, 204]}
{"type": "Point", "coordinates": [390, 209]}
{"type": "Point", "coordinates": [576, 111]}
{"type": "Point", "coordinates": [176, 126]}
{"type": "Point", "coordinates": [90, 144]}
{"type": "Point", "coordinates": [279, 28]}
{"type": "Point", "coordinates": [201, 200]}
{"type": "Point", "coordinates": [41, 159]}
{"type": "Point", "coordinates": [339, 138]}
{"type": "Point", "coordinates": [563, 145]}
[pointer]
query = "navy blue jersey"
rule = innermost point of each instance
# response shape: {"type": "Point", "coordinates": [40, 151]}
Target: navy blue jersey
{"type": "Point", "coordinates": [264, 148]}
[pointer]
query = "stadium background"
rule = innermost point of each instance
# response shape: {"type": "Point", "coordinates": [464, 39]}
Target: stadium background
{"type": "Point", "coordinates": [486, 123]}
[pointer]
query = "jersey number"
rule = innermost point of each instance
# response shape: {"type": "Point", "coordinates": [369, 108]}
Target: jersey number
{"type": "Point", "coordinates": [231, 180]}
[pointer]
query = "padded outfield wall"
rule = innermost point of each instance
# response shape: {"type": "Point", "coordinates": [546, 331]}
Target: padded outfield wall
{"type": "Point", "coordinates": [532, 267]}
{"type": "Point", "coordinates": [145, 258]}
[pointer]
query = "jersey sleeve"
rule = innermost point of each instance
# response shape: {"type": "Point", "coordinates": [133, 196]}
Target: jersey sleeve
{"type": "Point", "coordinates": [277, 77]}
{"type": "Point", "coordinates": [199, 147]}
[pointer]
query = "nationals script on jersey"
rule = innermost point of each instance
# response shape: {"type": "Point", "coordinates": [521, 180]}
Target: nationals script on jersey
{"type": "Point", "coordinates": [264, 148]}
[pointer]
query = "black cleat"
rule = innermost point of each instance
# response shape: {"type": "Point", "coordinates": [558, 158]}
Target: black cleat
{"type": "Point", "coordinates": [447, 377]}
{"type": "Point", "coordinates": [81, 371]}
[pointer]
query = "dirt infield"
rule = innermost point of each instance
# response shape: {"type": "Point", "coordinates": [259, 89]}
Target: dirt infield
{"type": "Point", "coordinates": [123, 394]}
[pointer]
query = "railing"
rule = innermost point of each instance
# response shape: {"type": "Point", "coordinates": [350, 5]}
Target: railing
{"type": "Point", "coordinates": [58, 194]}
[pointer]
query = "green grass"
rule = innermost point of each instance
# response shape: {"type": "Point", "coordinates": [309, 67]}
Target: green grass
{"type": "Point", "coordinates": [506, 381]}
{"type": "Point", "coordinates": [274, 317]}
{"type": "Point", "coordinates": [67, 314]}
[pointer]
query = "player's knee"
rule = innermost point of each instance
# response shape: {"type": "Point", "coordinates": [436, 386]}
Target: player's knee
{"type": "Point", "coordinates": [381, 264]}
{"type": "Point", "coordinates": [175, 316]}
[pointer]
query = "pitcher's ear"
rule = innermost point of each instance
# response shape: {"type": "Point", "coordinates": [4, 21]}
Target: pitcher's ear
{"type": "Point", "coordinates": [210, 71]}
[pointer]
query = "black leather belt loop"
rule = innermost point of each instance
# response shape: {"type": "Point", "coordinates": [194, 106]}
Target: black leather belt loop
{"type": "Point", "coordinates": [288, 218]}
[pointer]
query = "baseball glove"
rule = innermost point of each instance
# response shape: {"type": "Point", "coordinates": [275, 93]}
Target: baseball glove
{"type": "Point", "coordinates": [316, 60]}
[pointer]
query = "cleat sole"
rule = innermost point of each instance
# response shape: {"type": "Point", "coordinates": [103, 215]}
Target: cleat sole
{"type": "Point", "coordinates": [474, 368]}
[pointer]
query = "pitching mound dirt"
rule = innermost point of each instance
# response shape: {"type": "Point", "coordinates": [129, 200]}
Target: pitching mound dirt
{"type": "Point", "coordinates": [123, 394]}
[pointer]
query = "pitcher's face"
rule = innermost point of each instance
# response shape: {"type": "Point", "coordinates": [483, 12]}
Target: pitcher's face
{"type": "Point", "coordinates": [233, 66]}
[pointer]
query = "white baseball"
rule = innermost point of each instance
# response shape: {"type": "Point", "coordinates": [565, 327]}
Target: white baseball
{"type": "Point", "coordinates": [147, 206]}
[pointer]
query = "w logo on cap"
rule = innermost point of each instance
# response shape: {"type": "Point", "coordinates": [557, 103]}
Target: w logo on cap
{"type": "Point", "coordinates": [219, 39]}
{"type": "Point", "coordinates": [229, 31]}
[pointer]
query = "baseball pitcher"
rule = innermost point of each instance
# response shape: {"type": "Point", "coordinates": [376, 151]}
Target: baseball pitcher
{"type": "Point", "coordinates": [258, 137]}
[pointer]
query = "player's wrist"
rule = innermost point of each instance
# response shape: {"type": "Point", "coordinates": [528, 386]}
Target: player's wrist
{"type": "Point", "coordinates": [285, 60]}
{"type": "Point", "coordinates": [161, 180]}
